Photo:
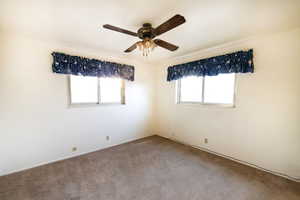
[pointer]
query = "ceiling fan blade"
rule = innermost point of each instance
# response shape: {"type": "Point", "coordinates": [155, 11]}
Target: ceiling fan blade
{"type": "Point", "coordinates": [170, 24]}
{"type": "Point", "coordinates": [114, 28]}
{"type": "Point", "coordinates": [165, 45]}
{"type": "Point", "coordinates": [130, 49]}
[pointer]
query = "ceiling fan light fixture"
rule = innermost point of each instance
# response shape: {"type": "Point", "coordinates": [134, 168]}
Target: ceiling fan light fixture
{"type": "Point", "coordinates": [146, 46]}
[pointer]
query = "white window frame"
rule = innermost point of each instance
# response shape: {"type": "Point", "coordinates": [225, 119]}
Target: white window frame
{"type": "Point", "coordinates": [202, 103]}
{"type": "Point", "coordinates": [122, 90]}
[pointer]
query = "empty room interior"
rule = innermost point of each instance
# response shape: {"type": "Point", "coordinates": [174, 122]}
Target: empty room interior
{"type": "Point", "coordinates": [150, 100]}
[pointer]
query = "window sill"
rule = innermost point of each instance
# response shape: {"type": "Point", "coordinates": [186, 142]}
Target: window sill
{"type": "Point", "coordinates": [82, 105]}
{"type": "Point", "coordinates": [206, 105]}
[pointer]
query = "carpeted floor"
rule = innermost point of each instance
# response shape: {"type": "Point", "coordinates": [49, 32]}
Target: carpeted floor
{"type": "Point", "coordinates": [153, 168]}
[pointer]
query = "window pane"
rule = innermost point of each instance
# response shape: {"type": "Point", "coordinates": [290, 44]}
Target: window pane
{"type": "Point", "coordinates": [84, 89]}
{"type": "Point", "coordinates": [219, 89]}
{"type": "Point", "coordinates": [191, 89]}
{"type": "Point", "coordinates": [110, 90]}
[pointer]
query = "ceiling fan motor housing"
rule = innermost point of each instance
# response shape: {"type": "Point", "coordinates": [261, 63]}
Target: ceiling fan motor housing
{"type": "Point", "coordinates": [146, 31]}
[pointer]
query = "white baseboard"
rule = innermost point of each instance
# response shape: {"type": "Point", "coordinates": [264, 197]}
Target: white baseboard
{"type": "Point", "coordinates": [295, 179]}
{"type": "Point", "coordinates": [72, 156]}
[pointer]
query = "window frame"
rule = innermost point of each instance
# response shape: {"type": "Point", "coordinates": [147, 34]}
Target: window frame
{"type": "Point", "coordinates": [202, 103]}
{"type": "Point", "coordinates": [71, 104]}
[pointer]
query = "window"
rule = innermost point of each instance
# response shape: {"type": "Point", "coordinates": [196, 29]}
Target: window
{"type": "Point", "coordinates": [93, 90]}
{"type": "Point", "coordinates": [207, 90]}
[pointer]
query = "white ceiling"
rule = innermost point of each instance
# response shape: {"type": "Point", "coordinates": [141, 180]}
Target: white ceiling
{"type": "Point", "coordinates": [208, 22]}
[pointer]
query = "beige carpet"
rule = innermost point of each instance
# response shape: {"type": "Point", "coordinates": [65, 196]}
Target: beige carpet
{"type": "Point", "coordinates": [149, 169]}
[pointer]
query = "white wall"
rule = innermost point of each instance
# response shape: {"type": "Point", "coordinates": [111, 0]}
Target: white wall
{"type": "Point", "coordinates": [264, 128]}
{"type": "Point", "coordinates": [36, 124]}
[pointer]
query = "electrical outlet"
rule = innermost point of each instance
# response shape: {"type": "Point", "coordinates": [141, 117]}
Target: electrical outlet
{"type": "Point", "coordinates": [107, 138]}
{"type": "Point", "coordinates": [205, 140]}
{"type": "Point", "coordinates": [74, 149]}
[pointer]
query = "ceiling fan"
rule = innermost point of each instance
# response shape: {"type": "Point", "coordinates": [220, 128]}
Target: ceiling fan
{"type": "Point", "coordinates": [147, 33]}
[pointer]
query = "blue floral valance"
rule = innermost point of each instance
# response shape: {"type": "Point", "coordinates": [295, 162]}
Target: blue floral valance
{"type": "Point", "coordinates": [66, 64]}
{"type": "Point", "coordinates": [238, 62]}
